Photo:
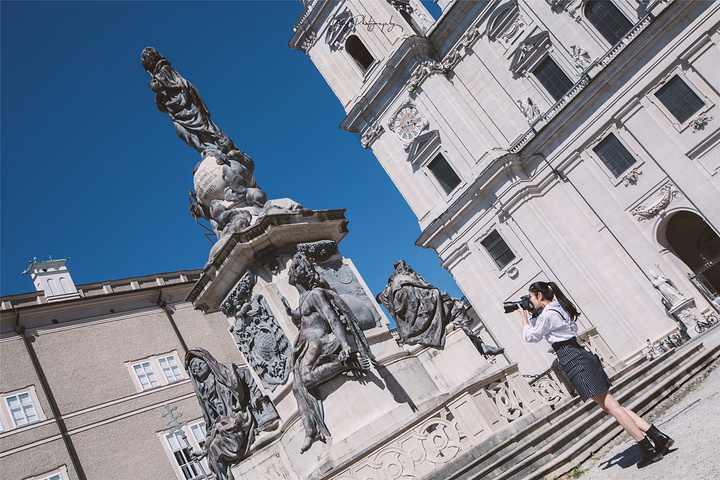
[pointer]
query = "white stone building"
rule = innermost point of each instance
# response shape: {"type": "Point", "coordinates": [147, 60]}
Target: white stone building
{"type": "Point", "coordinates": [567, 140]}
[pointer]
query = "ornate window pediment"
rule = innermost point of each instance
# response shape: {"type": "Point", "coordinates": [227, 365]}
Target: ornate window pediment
{"type": "Point", "coordinates": [530, 50]}
{"type": "Point", "coordinates": [422, 145]}
{"type": "Point", "coordinates": [503, 20]}
{"type": "Point", "coordinates": [340, 28]}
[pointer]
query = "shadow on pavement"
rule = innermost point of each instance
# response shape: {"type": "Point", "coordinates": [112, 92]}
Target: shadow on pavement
{"type": "Point", "coordinates": [625, 459]}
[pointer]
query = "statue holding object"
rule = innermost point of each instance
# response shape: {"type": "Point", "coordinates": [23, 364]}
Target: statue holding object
{"type": "Point", "coordinates": [233, 408]}
{"type": "Point", "coordinates": [226, 193]}
{"type": "Point", "coordinates": [324, 346]}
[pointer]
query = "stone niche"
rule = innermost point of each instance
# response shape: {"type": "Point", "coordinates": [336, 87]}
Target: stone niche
{"type": "Point", "coordinates": [415, 408]}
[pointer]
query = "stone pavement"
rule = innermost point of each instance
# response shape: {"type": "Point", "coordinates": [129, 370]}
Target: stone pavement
{"type": "Point", "coordinates": [691, 416]}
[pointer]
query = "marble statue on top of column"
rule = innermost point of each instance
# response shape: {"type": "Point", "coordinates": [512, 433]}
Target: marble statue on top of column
{"type": "Point", "coordinates": [226, 193]}
{"type": "Point", "coordinates": [420, 311]}
{"type": "Point", "coordinates": [233, 408]}
{"type": "Point", "coordinates": [671, 295]}
{"type": "Point", "coordinates": [330, 342]}
{"type": "Point", "coordinates": [462, 320]}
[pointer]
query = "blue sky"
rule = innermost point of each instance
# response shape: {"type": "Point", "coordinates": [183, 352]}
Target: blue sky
{"type": "Point", "coordinates": [91, 170]}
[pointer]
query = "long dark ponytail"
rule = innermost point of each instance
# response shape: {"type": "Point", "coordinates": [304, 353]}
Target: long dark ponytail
{"type": "Point", "coordinates": [550, 291]}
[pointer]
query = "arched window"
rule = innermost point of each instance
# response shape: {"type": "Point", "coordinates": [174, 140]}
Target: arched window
{"type": "Point", "coordinates": [359, 52]}
{"type": "Point", "coordinates": [607, 19]}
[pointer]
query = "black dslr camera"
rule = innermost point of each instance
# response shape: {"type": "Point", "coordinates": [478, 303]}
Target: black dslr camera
{"type": "Point", "coordinates": [524, 303]}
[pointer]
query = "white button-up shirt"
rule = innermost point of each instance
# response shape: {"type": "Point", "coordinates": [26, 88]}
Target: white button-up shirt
{"type": "Point", "coordinates": [553, 324]}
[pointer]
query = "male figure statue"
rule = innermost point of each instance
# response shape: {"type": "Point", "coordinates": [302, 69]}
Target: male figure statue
{"type": "Point", "coordinates": [317, 357]}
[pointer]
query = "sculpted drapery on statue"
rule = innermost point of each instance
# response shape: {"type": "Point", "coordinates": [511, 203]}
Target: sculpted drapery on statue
{"type": "Point", "coordinates": [323, 348]}
{"type": "Point", "coordinates": [226, 193]}
{"type": "Point", "coordinates": [180, 99]}
{"type": "Point", "coordinates": [419, 309]}
{"type": "Point", "coordinates": [233, 408]}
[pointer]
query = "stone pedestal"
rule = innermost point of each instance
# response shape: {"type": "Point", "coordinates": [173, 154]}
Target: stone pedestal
{"type": "Point", "coordinates": [686, 314]}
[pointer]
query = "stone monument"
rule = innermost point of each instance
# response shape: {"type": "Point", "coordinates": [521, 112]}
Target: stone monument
{"type": "Point", "coordinates": [226, 193]}
{"type": "Point", "coordinates": [330, 369]}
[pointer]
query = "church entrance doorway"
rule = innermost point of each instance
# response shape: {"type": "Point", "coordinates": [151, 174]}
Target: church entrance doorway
{"type": "Point", "coordinates": [698, 246]}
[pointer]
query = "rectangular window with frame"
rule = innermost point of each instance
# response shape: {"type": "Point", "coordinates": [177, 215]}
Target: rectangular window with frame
{"type": "Point", "coordinates": [614, 155]}
{"type": "Point", "coordinates": [198, 431]}
{"type": "Point", "coordinates": [146, 375]}
{"type": "Point", "coordinates": [181, 452]}
{"type": "Point", "coordinates": [444, 173]}
{"type": "Point", "coordinates": [171, 369]}
{"type": "Point", "coordinates": [551, 76]}
{"type": "Point", "coordinates": [679, 99]}
{"type": "Point", "coordinates": [498, 249]}
{"type": "Point", "coordinates": [22, 409]}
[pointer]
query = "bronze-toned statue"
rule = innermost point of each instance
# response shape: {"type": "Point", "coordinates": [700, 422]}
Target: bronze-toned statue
{"type": "Point", "coordinates": [180, 99]}
{"type": "Point", "coordinates": [420, 311]}
{"type": "Point", "coordinates": [226, 193]}
{"type": "Point", "coordinates": [462, 320]}
{"type": "Point", "coordinates": [233, 408]}
{"type": "Point", "coordinates": [323, 348]}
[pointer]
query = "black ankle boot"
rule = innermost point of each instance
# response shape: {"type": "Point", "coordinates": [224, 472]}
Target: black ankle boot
{"type": "Point", "coordinates": [649, 454]}
{"type": "Point", "coordinates": [662, 442]}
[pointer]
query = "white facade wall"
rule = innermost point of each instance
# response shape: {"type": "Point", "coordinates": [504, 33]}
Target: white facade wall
{"type": "Point", "coordinates": [583, 230]}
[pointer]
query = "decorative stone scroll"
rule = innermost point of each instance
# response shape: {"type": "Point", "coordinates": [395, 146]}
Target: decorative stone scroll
{"type": "Point", "coordinates": [416, 453]}
{"type": "Point", "coordinates": [667, 193]}
{"type": "Point", "coordinates": [308, 42]}
{"type": "Point", "coordinates": [371, 135]}
{"type": "Point", "coordinates": [257, 333]}
{"type": "Point", "coordinates": [506, 401]}
{"type": "Point", "coordinates": [453, 57]}
{"type": "Point", "coordinates": [700, 122]}
{"type": "Point", "coordinates": [631, 177]}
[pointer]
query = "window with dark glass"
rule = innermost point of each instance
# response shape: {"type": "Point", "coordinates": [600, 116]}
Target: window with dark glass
{"type": "Point", "coordinates": [498, 249]}
{"type": "Point", "coordinates": [359, 52]}
{"type": "Point", "coordinates": [608, 20]}
{"type": "Point", "coordinates": [614, 155]}
{"type": "Point", "coordinates": [679, 99]}
{"type": "Point", "coordinates": [444, 173]}
{"type": "Point", "coordinates": [552, 78]}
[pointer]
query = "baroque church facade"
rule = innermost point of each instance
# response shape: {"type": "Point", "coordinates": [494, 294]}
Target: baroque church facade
{"type": "Point", "coordinates": [572, 141]}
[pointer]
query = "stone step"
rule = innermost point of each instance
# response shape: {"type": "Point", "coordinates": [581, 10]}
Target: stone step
{"type": "Point", "coordinates": [556, 443]}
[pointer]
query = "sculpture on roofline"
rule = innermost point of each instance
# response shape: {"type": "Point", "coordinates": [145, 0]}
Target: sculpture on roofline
{"type": "Point", "coordinates": [330, 342]}
{"type": "Point", "coordinates": [233, 408]}
{"type": "Point", "coordinates": [226, 193]}
{"type": "Point", "coordinates": [420, 311]}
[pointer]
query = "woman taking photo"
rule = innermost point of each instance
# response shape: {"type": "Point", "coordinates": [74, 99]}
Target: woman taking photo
{"type": "Point", "coordinates": [556, 324]}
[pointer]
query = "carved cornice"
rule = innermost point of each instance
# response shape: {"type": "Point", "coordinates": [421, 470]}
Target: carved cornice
{"type": "Point", "coordinates": [667, 193]}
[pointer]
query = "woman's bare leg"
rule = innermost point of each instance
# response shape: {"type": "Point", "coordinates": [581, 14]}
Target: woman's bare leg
{"type": "Point", "coordinates": [642, 424]}
{"type": "Point", "coordinates": [608, 403]}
